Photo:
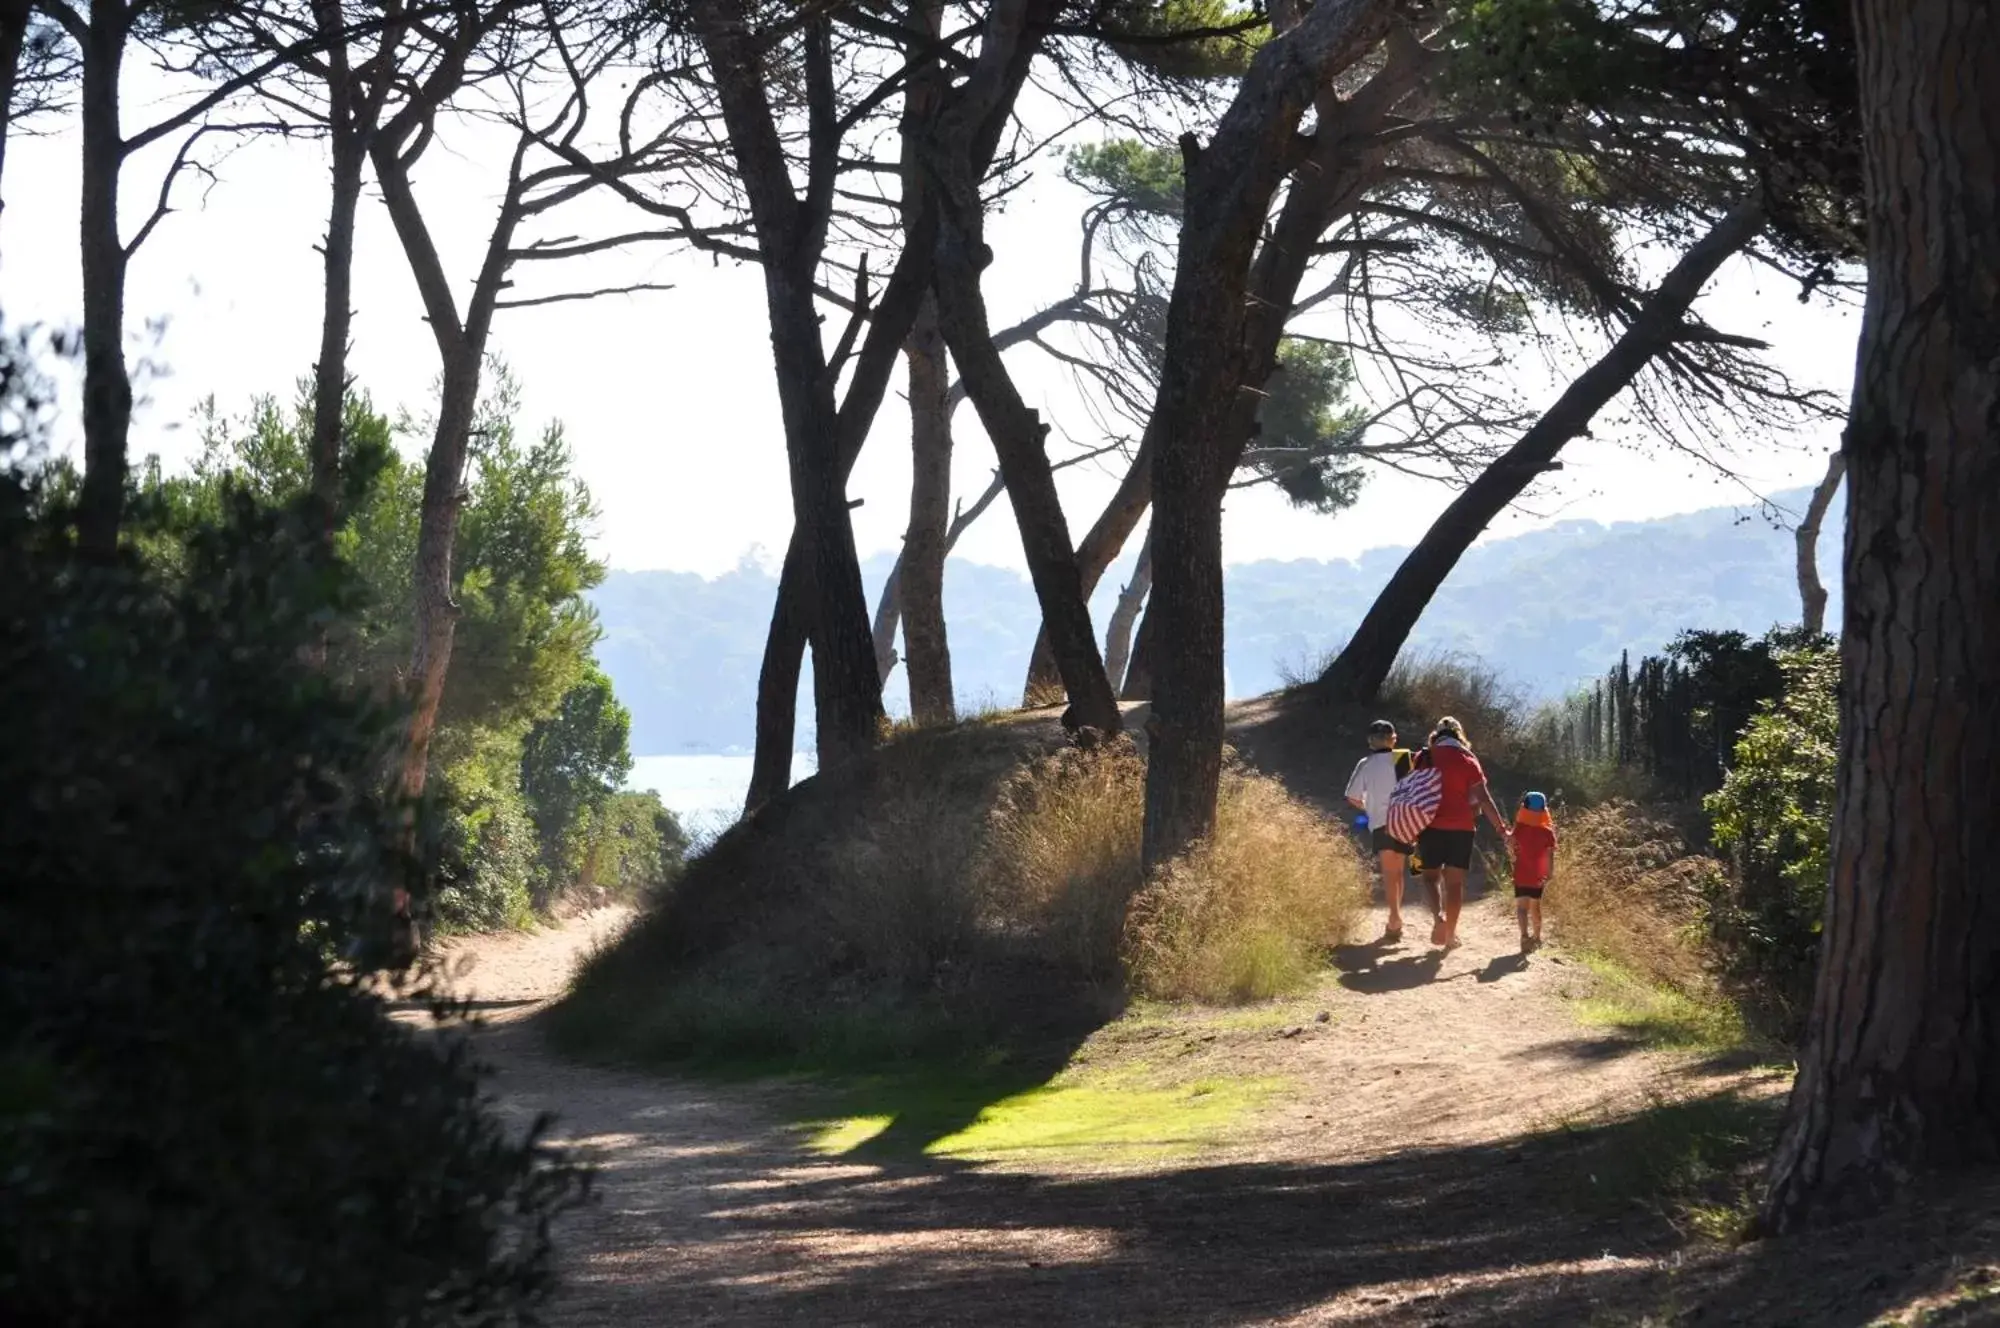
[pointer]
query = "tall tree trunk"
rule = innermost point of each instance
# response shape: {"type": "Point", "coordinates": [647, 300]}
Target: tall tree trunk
{"type": "Point", "coordinates": [462, 357]}
{"type": "Point", "coordinates": [1125, 616]}
{"type": "Point", "coordinates": [1347, 158]}
{"type": "Point", "coordinates": [778, 686]}
{"type": "Point", "coordinates": [13, 41]}
{"type": "Point", "coordinates": [437, 534]}
{"type": "Point", "coordinates": [350, 154]}
{"type": "Point", "coordinates": [1210, 354]}
{"type": "Point", "coordinates": [1901, 1069]}
{"type": "Point", "coordinates": [920, 585]}
{"type": "Point", "coordinates": [107, 386]}
{"type": "Point", "coordinates": [1357, 674]}
{"type": "Point", "coordinates": [1812, 595]}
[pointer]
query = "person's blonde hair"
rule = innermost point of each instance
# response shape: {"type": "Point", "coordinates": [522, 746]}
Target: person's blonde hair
{"type": "Point", "coordinates": [1449, 727]}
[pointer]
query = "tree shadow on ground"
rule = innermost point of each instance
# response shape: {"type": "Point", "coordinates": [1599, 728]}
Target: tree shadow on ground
{"type": "Point", "coordinates": [1568, 1226]}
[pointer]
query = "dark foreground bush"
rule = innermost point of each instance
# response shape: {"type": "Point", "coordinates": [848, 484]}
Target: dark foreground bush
{"type": "Point", "coordinates": [201, 1120]}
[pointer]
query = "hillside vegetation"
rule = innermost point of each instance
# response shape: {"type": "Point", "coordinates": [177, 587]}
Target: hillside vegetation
{"type": "Point", "coordinates": [969, 890]}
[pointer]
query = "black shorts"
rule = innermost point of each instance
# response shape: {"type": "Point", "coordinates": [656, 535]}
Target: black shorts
{"type": "Point", "coordinates": [1381, 841]}
{"type": "Point", "coordinates": [1527, 892]}
{"type": "Point", "coordinates": [1445, 848]}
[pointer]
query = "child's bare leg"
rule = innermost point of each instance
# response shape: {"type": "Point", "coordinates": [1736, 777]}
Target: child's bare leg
{"type": "Point", "coordinates": [1392, 887]}
{"type": "Point", "coordinates": [1535, 914]}
{"type": "Point", "coordinates": [1522, 909]}
{"type": "Point", "coordinates": [1436, 897]}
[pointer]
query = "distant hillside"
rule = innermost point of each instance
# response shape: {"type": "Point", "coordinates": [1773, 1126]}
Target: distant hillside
{"type": "Point", "coordinates": [1547, 609]}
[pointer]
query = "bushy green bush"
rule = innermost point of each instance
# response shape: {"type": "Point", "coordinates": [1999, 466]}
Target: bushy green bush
{"type": "Point", "coordinates": [489, 849]}
{"type": "Point", "coordinates": [1773, 817]}
{"type": "Point", "coordinates": [203, 1118]}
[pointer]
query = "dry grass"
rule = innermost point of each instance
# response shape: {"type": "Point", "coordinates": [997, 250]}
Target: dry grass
{"type": "Point", "coordinates": [1062, 853]}
{"type": "Point", "coordinates": [1252, 914]}
{"type": "Point", "coordinates": [1627, 892]}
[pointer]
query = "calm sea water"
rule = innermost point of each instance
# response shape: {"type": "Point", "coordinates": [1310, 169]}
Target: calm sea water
{"type": "Point", "coordinates": [705, 792]}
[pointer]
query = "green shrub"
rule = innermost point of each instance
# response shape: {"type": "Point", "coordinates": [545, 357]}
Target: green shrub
{"type": "Point", "coordinates": [1773, 817]}
{"type": "Point", "coordinates": [201, 1119]}
{"type": "Point", "coordinates": [488, 842]}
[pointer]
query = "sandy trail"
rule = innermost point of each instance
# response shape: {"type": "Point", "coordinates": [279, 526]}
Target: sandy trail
{"type": "Point", "coordinates": [1390, 1188]}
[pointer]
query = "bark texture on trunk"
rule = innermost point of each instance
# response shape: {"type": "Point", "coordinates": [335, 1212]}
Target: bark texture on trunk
{"type": "Point", "coordinates": [958, 150]}
{"type": "Point", "coordinates": [1210, 355]}
{"type": "Point", "coordinates": [354, 112]}
{"type": "Point", "coordinates": [791, 236]}
{"type": "Point", "coordinates": [1138, 684]}
{"type": "Point", "coordinates": [1357, 674]}
{"type": "Point", "coordinates": [1901, 1069]}
{"type": "Point", "coordinates": [107, 384]}
{"type": "Point", "coordinates": [461, 347]}
{"type": "Point", "coordinates": [1125, 616]}
{"type": "Point", "coordinates": [920, 584]}
{"type": "Point", "coordinates": [1812, 594]}
{"type": "Point", "coordinates": [13, 40]}
{"type": "Point", "coordinates": [888, 613]}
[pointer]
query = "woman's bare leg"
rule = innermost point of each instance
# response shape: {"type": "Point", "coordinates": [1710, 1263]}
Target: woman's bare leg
{"type": "Point", "coordinates": [1454, 900]}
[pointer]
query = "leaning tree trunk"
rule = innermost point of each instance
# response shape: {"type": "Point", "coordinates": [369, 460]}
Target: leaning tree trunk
{"type": "Point", "coordinates": [1812, 595]}
{"type": "Point", "coordinates": [107, 385]}
{"type": "Point", "coordinates": [920, 585]}
{"type": "Point", "coordinates": [1019, 439]}
{"type": "Point", "coordinates": [1125, 615]}
{"type": "Point", "coordinates": [1901, 1069]}
{"type": "Point", "coordinates": [1358, 673]}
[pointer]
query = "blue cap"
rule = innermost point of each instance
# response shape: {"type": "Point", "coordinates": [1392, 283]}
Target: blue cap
{"type": "Point", "coordinates": [1535, 802]}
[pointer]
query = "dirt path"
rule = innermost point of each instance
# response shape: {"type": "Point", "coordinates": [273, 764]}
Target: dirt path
{"type": "Point", "coordinates": [1390, 1186]}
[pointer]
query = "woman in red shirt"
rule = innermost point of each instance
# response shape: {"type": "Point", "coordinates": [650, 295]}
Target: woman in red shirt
{"type": "Point", "coordinates": [1445, 847]}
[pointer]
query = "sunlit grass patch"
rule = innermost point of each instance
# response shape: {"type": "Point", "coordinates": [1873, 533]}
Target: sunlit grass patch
{"type": "Point", "coordinates": [1658, 1016]}
{"type": "Point", "coordinates": [1102, 1116]}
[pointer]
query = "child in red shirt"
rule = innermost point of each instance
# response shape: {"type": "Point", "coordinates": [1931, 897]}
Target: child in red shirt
{"type": "Point", "coordinates": [1534, 862]}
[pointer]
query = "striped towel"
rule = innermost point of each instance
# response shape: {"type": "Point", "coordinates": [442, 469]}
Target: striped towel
{"type": "Point", "coordinates": [1414, 804]}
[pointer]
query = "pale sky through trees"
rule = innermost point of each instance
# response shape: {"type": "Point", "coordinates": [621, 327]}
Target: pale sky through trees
{"type": "Point", "coordinates": [668, 396]}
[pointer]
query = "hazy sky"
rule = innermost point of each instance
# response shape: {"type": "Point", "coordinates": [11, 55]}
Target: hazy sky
{"type": "Point", "coordinates": [668, 397]}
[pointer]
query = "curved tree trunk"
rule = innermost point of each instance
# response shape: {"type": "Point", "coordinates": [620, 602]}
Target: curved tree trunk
{"type": "Point", "coordinates": [957, 153]}
{"type": "Point", "coordinates": [1125, 616]}
{"type": "Point", "coordinates": [1901, 1069]}
{"type": "Point", "coordinates": [107, 385]}
{"type": "Point", "coordinates": [1812, 594]}
{"type": "Point", "coordinates": [1357, 674]}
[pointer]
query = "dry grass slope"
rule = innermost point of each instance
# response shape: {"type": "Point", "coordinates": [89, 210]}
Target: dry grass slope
{"type": "Point", "coordinates": [969, 889]}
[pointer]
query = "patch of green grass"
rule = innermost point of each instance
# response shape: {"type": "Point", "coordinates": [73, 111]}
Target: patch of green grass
{"type": "Point", "coordinates": [1081, 1114]}
{"type": "Point", "coordinates": [1659, 1016]}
